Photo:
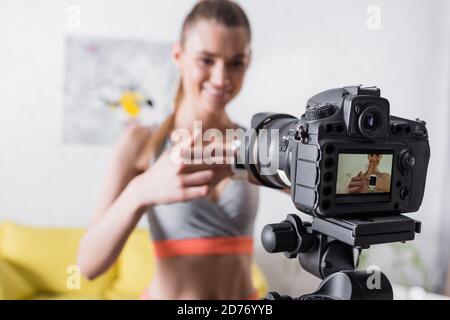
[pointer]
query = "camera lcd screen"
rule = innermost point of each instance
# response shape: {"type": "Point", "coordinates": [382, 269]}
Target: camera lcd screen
{"type": "Point", "coordinates": [364, 177]}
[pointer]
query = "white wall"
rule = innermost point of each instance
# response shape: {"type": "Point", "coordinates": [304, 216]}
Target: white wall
{"type": "Point", "coordinates": [442, 261]}
{"type": "Point", "coordinates": [300, 48]}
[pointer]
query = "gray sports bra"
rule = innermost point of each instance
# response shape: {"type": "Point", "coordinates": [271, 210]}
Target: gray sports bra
{"type": "Point", "coordinates": [203, 227]}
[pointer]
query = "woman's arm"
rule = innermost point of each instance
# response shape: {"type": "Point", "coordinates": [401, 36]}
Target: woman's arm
{"type": "Point", "coordinates": [127, 194]}
{"type": "Point", "coordinates": [118, 210]}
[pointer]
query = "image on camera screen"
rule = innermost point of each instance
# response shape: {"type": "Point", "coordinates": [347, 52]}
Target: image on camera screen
{"type": "Point", "coordinates": [364, 173]}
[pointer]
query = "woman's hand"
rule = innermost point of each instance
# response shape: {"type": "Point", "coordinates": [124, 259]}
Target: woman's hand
{"type": "Point", "coordinates": [174, 178]}
{"type": "Point", "coordinates": [358, 184]}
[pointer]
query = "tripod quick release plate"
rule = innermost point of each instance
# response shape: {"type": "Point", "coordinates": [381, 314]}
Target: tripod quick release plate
{"type": "Point", "coordinates": [363, 232]}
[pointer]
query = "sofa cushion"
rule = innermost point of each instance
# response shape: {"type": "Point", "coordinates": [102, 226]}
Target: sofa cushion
{"type": "Point", "coordinates": [68, 296]}
{"type": "Point", "coordinates": [12, 285]}
{"type": "Point", "coordinates": [46, 258]}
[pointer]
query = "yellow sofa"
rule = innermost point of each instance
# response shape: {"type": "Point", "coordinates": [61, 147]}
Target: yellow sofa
{"type": "Point", "coordinates": [40, 263]}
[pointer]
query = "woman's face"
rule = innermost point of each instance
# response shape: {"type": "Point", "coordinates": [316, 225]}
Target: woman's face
{"type": "Point", "coordinates": [212, 62]}
{"type": "Point", "coordinates": [374, 159]}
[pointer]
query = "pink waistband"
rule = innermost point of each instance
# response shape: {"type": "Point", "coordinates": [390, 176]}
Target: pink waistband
{"type": "Point", "coordinates": [203, 246]}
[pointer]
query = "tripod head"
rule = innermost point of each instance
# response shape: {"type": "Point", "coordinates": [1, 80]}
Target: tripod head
{"type": "Point", "coordinates": [330, 248]}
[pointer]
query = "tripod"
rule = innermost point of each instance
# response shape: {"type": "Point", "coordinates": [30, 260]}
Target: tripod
{"type": "Point", "coordinates": [329, 248]}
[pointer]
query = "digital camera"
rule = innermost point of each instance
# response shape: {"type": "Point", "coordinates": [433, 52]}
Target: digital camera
{"type": "Point", "coordinates": [346, 156]}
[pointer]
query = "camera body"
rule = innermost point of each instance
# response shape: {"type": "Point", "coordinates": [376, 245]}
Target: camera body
{"type": "Point", "coordinates": [346, 156]}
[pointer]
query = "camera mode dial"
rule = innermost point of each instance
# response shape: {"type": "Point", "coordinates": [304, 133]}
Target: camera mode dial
{"type": "Point", "coordinates": [319, 111]}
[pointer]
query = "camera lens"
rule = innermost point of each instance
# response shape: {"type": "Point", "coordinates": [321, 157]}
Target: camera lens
{"type": "Point", "coordinates": [372, 122]}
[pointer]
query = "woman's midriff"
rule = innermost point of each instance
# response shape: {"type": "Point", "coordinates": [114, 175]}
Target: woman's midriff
{"type": "Point", "coordinates": [202, 277]}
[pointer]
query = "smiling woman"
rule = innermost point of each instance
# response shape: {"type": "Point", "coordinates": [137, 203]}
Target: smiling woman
{"type": "Point", "coordinates": [217, 63]}
{"type": "Point", "coordinates": [201, 219]}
